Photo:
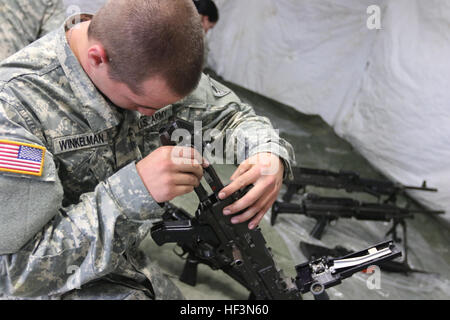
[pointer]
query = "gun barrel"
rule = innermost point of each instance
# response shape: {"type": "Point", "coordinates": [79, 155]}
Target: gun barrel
{"type": "Point", "coordinates": [420, 188]}
{"type": "Point", "coordinates": [434, 212]}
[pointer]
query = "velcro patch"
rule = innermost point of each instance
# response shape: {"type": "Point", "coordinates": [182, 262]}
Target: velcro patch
{"type": "Point", "coordinates": [21, 158]}
{"type": "Point", "coordinates": [158, 117]}
{"type": "Point", "coordinates": [80, 141]}
{"type": "Point", "coordinates": [218, 93]}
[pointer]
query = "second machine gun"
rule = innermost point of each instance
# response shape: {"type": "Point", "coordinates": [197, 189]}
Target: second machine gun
{"type": "Point", "coordinates": [349, 181]}
{"type": "Point", "coordinates": [327, 209]}
{"type": "Point", "coordinates": [212, 239]}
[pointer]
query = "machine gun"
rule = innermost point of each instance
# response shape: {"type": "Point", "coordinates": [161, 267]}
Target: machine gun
{"type": "Point", "coordinates": [349, 181]}
{"type": "Point", "coordinates": [321, 272]}
{"type": "Point", "coordinates": [211, 238]}
{"type": "Point", "coordinates": [327, 209]}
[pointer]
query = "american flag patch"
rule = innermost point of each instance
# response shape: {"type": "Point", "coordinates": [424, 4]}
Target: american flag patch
{"type": "Point", "coordinates": [22, 158]}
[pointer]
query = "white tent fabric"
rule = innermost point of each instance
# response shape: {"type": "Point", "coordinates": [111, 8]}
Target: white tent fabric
{"type": "Point", "coordinates": [385, 91]}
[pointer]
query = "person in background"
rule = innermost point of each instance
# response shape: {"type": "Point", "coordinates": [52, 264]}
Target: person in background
{"type": "Point", "coordinates": [208, 12]}
{"type": "Point", "coordinates": [209, 15]}
{"type": "Point", "coordinates": [24, 21]}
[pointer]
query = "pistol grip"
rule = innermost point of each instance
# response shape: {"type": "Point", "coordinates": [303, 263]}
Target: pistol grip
{"type": "Point", "coordinates": [189, 274]}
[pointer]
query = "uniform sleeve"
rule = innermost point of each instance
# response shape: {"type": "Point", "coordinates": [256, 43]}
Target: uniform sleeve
{"type": "Point", "coordinates": [234, 126]}
{"type": "Point", "coordinates": [47, 249]}
{"type": "Point", "coordinates": [53, 17]}
{"type": "Point", "coordinates": [14, 30]}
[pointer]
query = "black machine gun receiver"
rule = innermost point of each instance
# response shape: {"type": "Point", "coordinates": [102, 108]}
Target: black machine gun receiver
{"type": "Point", "coordinates": [210, 238]}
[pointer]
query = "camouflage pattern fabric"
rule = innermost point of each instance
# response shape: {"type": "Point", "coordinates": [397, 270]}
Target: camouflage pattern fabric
{"type": "Point", "coordinates": [75, 228]}
{"type": "Point", "coordinates": [24, 21]}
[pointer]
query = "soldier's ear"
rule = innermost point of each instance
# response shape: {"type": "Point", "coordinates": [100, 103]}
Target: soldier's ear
{"type": "Point", "coordinates": [97, 56]}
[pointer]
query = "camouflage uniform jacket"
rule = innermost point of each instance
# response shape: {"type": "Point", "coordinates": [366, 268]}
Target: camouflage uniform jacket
{"type": "Point", "coordinates": [24, 21]}
{"type": "Point", "coordinates": [81, 220]}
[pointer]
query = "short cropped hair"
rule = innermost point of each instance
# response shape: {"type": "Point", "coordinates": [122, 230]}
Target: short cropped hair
{"type": "Point", "coordinates": [207, 8]}
{"type": "Point", "coordinates": [145, 38]}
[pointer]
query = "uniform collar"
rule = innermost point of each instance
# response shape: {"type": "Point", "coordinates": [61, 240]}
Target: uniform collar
{"type": "Point", "coordinates": [100, 113]}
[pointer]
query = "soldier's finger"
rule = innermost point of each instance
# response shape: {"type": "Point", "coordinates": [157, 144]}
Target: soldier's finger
{"type": "Point", "coordinates": [264, 201]}
{"type": "Point", "coordinates": [254, 195]}
{"type": "Point", "coordinates": [192, 168]}
{"type": "Point", "coordinates": [244, 167]}
{"type": "Point", "coordinates": [241, 182]}
{"type": "Point", "coordinates": [182, 190]}
{"type": "Point", "coordinates": [181, 154]}
{"type": "Point", "coordinates": [266, 207]}
{"type": "Point", "coordinates": [185, 179]}
{"type": "Point", "coordinates": [186, 152]}
{"type": "Point", "coordinates": [257, 219]}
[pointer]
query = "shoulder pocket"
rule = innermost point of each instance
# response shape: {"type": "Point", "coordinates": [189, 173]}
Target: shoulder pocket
{"type": "Point", "coordinates": [28, 203]}
{"type": "Point", "coordinates": [218, 90]}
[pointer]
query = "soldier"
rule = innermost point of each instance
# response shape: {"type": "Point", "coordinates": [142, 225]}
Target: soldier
{"type": "Point", "coordinates": [24, 21]}
{"type": "Point", "coordinates": [82, 173]}
{"type": "Point", "coordinates": [208, 12]}
{"type": "Point", "coordinates": [209, 15]}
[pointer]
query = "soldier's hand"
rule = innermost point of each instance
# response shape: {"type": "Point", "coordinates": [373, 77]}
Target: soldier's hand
{"type": "Point", "coordinates": [265, 171]}
{"type": "Point", "coordinates": [169, 172]}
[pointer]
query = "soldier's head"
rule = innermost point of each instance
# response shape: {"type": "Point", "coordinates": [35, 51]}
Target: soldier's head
{"type": "Point", "coordinates": [145, 54]}
{"type": "Point", "coordinates": [208, 12]}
